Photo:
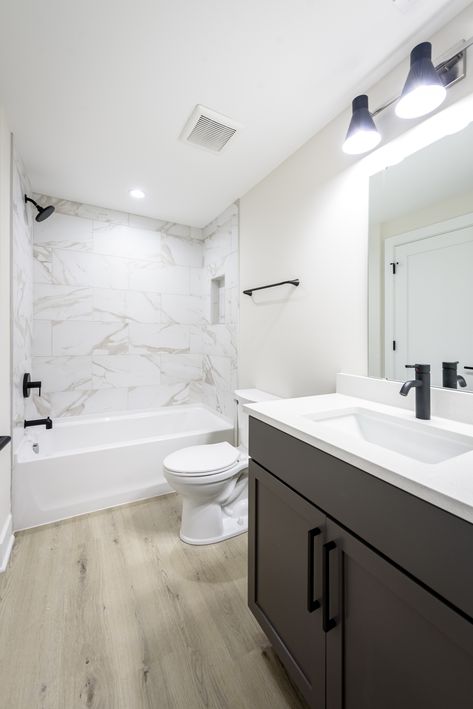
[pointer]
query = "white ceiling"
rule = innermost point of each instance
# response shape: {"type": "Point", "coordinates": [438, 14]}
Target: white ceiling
{"type": "Point", "coordinates": [98, 91]}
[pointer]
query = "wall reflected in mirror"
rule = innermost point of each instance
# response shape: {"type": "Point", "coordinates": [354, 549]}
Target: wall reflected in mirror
{"type": "Point", "coordinates": [421, 264]}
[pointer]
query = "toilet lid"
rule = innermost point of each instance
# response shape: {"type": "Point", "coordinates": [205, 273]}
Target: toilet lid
{"type": "Point", "coordinates": [201, 460]}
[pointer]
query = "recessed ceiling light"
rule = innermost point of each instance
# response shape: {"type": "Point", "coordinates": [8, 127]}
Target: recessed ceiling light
{"type": "Point", "coordinates": [137, 194]}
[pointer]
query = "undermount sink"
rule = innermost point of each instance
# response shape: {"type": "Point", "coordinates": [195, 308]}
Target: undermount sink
{"type": "Point", "coordinates": [409, 438]}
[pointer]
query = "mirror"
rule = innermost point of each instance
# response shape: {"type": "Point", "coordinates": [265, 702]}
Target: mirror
{"type": "Point", "coordinates": [421, 264]}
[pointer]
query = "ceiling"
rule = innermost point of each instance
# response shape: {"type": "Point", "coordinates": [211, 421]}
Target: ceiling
{"type": "Point", "coordinates": [98, 91]}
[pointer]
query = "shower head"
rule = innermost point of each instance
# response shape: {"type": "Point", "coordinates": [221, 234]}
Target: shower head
{"type": "Point", "coordinates": [43, 212]}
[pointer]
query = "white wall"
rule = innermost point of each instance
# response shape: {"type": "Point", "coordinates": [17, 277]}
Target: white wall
{"type": "Point", "coordinates": [309, 219]}
{"type": "Point", "coordinates": [6, 538]}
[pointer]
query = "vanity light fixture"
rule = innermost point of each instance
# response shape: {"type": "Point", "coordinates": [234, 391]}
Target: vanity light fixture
{"type": "Point", "coordinates": [137, 193]}
{"type": "Point", "coordinates": [362, 134]}
{"type": "Point", "coordinates": [423, 91]}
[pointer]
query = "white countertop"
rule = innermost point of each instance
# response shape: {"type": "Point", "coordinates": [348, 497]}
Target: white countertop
{"type": "Point", "coordinates": [448, 484]}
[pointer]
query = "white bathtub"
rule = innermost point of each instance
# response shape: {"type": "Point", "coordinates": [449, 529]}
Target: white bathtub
{"type": "Point", "coordinates": [89, 463]}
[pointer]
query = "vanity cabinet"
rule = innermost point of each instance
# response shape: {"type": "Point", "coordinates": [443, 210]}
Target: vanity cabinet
{"type": "Point", "coordinates": [353, 628]}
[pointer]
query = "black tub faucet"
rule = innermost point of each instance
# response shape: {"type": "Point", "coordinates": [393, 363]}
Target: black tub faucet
{"type": "Point", "coordinates": [450, 378]}
{"type": "Point", "coordinates": [422, 387]}
{"type": "Point", "coordinates": [40, 422]}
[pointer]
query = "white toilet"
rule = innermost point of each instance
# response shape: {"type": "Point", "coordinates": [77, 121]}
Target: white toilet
{"type": "Point", "coordinates": [213, 482]}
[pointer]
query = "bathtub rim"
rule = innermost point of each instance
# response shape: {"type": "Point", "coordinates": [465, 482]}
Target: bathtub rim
{"type": "Point", "coordinates": [69, 421]}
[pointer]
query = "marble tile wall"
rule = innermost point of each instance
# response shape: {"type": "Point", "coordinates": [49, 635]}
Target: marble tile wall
{"type": "Point", "coordinates": [22, 291]}
{"type": "Point", "coordinates": [117, 311]}
{"type": "Point", "coordinates": [220, 340]}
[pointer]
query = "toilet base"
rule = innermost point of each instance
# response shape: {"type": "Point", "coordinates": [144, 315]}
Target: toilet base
{"type": "Point", "coordinates": [228, 533]}
{"type": "Point", "coordinates": [233, 524]}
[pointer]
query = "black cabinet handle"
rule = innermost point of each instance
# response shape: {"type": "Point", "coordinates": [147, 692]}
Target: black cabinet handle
{"type": "Point", "coordinates": [312, 603]}
{"type": "Point", "coordinates": [327, 622]}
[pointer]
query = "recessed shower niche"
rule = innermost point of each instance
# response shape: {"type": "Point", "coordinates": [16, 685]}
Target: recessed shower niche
{"type": "Point", "coordinates": [217, 300]}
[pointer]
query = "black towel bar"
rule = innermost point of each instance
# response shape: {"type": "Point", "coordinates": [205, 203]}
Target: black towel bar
{"type": "Point", "coordinates": [294, 282]}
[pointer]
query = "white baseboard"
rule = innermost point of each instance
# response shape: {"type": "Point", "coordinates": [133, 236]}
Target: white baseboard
{"type": "Point", "coordinates": [6, 543]}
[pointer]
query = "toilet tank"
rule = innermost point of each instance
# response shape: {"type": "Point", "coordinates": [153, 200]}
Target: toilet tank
{"type": "Point", "coordinates": [248, 396]}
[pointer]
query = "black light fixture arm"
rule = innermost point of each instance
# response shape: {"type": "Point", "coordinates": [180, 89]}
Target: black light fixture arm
{"type": "Point", "coordinates": [294, 282]}
{"type": "Point", "coordinates": [444, 67]}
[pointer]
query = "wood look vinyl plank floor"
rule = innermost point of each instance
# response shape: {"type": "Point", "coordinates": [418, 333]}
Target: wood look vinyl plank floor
{"type": "Point", "coordinates": [112, 611]}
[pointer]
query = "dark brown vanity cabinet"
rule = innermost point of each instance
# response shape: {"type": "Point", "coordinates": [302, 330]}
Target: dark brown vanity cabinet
{"type": "Point", "coordinates": [353, 630]}
{"type": "Point", "coordinates": [285, 586]}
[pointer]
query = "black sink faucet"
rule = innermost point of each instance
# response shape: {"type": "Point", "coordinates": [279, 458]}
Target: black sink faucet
{"type": "Point", "coordinates": [450, 378]}
{"type": "Point", "coordinates": [40, 422]}
{"type": "Point", "coordinates": [422, 386]}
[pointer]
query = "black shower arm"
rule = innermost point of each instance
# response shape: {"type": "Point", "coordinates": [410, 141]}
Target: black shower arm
{"type": "Point", "coordinates": [28, 199]}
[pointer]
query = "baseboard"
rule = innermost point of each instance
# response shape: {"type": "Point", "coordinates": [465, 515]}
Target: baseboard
{"type": "Point", "coordinates": [6, 543]}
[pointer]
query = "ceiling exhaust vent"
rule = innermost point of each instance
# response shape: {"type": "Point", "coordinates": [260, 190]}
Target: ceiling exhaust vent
{"type": "Point", "coordinates": [209, 130]}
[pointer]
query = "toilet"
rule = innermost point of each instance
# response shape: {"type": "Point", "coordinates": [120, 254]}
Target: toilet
{"type": "Point", "coordinates": [212, 480]}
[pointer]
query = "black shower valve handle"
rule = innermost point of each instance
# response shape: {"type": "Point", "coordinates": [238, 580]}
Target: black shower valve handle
{"type": "Point", "coordinates": [28, 385]}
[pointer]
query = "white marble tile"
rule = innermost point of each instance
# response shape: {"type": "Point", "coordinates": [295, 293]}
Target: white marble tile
{"type": "Point", "coordinates": [159, 278]}
{"type": "Point", "coordinates": [181, 309]}
{"type": "Point", "coordinates": [87, 269]}
{"type": "Point", "coordinates": [152, 397]}
{"type": "Point", "coordinates": [147, 338]}
{"type": "Point", "coordinates": [217, 371]}
{"type": "Point", "coordinates": [63, 373]}
{"type": "Point", "coordinates": [65, 232]}
{"type": "Point", "coordinates": [232, 305]}
{"type": "Point", "coordinates": [87, 338]}
{"type": "Point", "coordinates": [141, 316]}
{"type": "Point", "coordinates": [136, 220]}
{"type": "Point", "coordinates": [77, 403]}
{"type": "Point", "coordinates": [106, 400]}
{"type": "Point", "coordinates": [109, 305]}
{"type": "Point", "coordinates": [54, 302]}
{"type": "Point", "coordinates": [42, 338]}
{"type": "Point", "coordinates": [42, 271]}
{"type": "Point", "coordinates": [42, 253]}
{"type": "Point", "coordinates": [220, 340]}
{"type": "Point", "coordinates": [196, 281]}
{"type": "Point", "coordinates": [125, 371]}
{"type": "Point", "coordinates": [181, 252]}
{"type": "Point", "coordinates": [208, 395]}
{"type": "Point", "coordinates": [174, 229]}
{"type": "Point", "coordinates": [126, 241]}
{"type": "Point", "coordinates": [143, 307]}
{"type": "Point", "coordinates": [196, 342]}
{"type": "Point", "coordinates": [232, 270]}
{"type": "Point", "coordinates": [177, 368]}
{"type": "Point", "coordinates": [229, 214]}
{"type": "Point", "coordinates": [86, 211]}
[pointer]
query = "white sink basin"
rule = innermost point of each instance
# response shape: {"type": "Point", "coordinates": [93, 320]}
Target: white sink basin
{"type": "Point", "coordinates": [409, 438]}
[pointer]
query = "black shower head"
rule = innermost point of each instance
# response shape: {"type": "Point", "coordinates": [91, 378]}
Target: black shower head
{"type": "Point", "coordinates": [43, 212]}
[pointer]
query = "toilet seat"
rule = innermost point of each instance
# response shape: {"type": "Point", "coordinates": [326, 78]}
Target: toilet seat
{"type": "Point", "coordinates": [203, 461]}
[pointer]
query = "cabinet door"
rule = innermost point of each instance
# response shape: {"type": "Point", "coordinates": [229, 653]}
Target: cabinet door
{"type": "Point", "coordinates": [286, 534]}
{"type": "Point", "coordinates": [390, 642]}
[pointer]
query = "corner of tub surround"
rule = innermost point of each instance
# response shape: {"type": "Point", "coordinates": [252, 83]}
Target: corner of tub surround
{"type": "Point", "coordinates": [7, 539]}
{"type": "Point", "coordinates": [446, 403]}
